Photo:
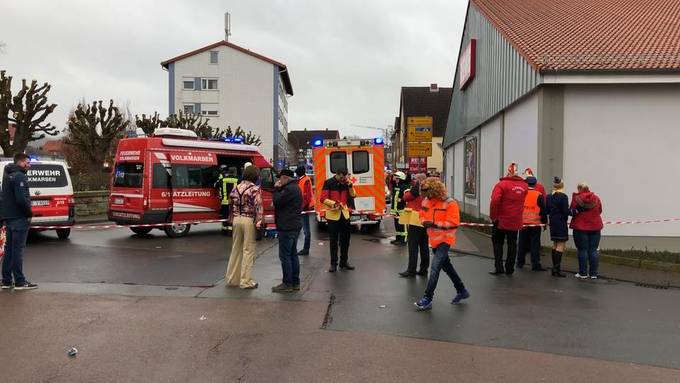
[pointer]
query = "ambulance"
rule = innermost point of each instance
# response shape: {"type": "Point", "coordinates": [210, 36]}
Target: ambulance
{"type": "Point", "coordinates": [52, 200]}
{"type": "Point", "coordinates": [170, 177]}
{"type": "Point", "coordinates": [365, 162]}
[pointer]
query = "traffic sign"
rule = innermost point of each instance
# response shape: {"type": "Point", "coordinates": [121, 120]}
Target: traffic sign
{"type": "Point", "coordinates": [419, 133]}
{"type": "Point", "coordinates": [420, 149]}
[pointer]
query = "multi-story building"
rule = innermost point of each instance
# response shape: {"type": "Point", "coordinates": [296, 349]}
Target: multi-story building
{"type": "Point", "coordinates": [233, 86]}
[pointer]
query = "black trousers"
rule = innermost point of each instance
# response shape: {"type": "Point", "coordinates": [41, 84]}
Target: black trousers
{"type": "Point", "coordinates": [224, 214]}
{"type": "Point", "coordinates": [417, 242]}
{"type": "Point", "coordinates": [529, 242]}
{"type": "Point", "coordinates": [339, 232]}
{"type": "Point", "coordinates": [498, 237]}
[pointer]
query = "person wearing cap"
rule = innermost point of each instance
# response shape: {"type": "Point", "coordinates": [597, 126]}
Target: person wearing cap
{"type": "Point", "coordinates": [557, 206]}
{"type": "Point", "coordinates": [287, 199]}
{"type": "Point", "coordinates": [586, 207]}
{"type": "Point", "coordinates": [529, 172]}
{"type": "Point", "coordinates": [417, 234]}
{"type": "Point", "coordinates": [441, 216]}
{"type": "Point", "coordinates": [398, 205]}
{"type": "Point", "coordinates": [534, 216]}
{"type": "Point", "coordinates": [305, 184]}
{"type": "Point", "coordinates": [506, 212]}
{"type": "Point", "coordinates": [337, 196]}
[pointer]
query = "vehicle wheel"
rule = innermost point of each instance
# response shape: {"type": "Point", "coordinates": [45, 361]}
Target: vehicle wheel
{"type": "Point", "coordinates": [177, 230]}
{"type": "Point", "coordinates": [141, 230]}
{"type": "Point", "coordinates": [63, 233]}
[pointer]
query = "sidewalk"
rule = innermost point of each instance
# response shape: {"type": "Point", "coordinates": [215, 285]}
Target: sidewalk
{"type": "Point", "coordinates": [473, 242]}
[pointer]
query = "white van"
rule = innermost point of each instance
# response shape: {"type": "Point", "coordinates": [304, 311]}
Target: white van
{"type": "Point", "coordinates": [51, 190]}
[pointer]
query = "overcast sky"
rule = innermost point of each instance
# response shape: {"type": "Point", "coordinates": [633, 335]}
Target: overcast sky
{"type": "Point", "coordinates": [347, 59]}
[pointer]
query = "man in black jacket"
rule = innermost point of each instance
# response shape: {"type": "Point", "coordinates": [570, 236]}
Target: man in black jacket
{"type": "Point", "coordinates": [288, 217]}
{"type": "Point", "coordinates": [16, 212]}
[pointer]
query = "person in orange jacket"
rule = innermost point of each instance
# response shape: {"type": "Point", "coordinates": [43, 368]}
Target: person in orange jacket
{"type": "Point", "coordinates": [535, 215]}
{"type": "Point", "coordinates": [441, 216]}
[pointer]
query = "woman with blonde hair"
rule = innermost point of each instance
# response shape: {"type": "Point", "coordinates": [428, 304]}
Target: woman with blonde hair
{"type": "Point", "coordinates": [557, 205]}
{"type": "Point", "coordinates": [246, 202]}
{"type": "Point", "coordinates": [440, 216]}
{"type": "Point", "coordinates": [587, 224]}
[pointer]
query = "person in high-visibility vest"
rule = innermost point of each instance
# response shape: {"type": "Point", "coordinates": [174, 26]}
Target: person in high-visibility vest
{"type": "Point", "coordinates": [305, 184]}
{"type": "Point", "coordinates": [440, 215]}
{"type": "Point", "coordinates": [226, 183]}
{"type": "Point", "coordinates": [417, 234]}
{"type": "Point", "coordinates": [337, 195]}
{"type": "Point", "coordinates": [398, 205]}
{"type": "Point", "coordinates": [534, 215]}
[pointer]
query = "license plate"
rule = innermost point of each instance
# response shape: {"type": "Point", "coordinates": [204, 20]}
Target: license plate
{"type": "Point", "coordinates": [355, 218]}
{"type": "Point", "coordinates": [118, 201]}
{"type": "Point", "coordinates": [40, 202]}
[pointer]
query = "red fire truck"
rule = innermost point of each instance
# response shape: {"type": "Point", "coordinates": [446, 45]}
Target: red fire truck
{"type": "Point", "coordinates": [170, 177]}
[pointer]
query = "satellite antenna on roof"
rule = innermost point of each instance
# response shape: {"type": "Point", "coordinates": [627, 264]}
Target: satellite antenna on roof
{"type": "Point", "coordinates": [227, 26]}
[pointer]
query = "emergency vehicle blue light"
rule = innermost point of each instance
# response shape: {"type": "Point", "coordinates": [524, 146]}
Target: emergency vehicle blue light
{"type": "Point", "coordinates": [33, 159]}
{"type": "Point", "coordinates": [237, 140]}
{"type": "Point", "coordinates": [318, 142]}
{"type": "Point", "coordinates": [379, 141]}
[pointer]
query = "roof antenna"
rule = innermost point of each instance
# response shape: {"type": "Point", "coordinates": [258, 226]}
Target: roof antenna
{"type": "Point", "coordinates": [227, 26]}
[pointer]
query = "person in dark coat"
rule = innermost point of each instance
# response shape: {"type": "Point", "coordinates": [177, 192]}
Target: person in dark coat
{"type": "Point", "coordinates": [557, 205]}
{"type": "Point", "coordinates": [288, 217]}
{"type": "Point", "coordinates": [16, 213]}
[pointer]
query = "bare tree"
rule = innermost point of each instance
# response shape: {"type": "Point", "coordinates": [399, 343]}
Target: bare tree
{"type": "Point", "coordinates": [27, 109]}
{"type": "Point", "coordinates": [94, 131]}
{"type": "Point", "coordinates": [148, 124]}
{"type": "Point", "coordinates": [193, 122]}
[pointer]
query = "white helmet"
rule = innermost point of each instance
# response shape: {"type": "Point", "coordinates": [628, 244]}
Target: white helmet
{"type": "Point", "coordinates": [400, 175]}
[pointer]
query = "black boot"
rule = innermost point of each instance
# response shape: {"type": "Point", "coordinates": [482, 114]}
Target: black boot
{"type": "Point", "coordinates": [557, 261]}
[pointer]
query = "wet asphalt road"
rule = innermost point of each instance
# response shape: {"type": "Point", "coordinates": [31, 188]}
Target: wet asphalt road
{"type": "Point", "coordinates": [530, 311]}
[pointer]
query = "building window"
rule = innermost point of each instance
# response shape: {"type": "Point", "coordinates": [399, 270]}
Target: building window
{"type": "Point", "coordinates": [213, 57]}
{"type": "Point", "coordinates": [338, 161]}
{"type": "Point", "coordinates": [209, 110]}
{"type": "Point", "coordinates": [188, 84]}
{"type": "Point", "coordinates": [189, 108]}
{"type": "Point", "coordinates": [209, 83]}
{"type": "Point", "coordinates": [360, 163]}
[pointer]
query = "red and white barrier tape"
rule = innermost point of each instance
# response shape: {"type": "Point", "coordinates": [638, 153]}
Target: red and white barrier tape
{"type": "Point", "coordinates": [198, 222]}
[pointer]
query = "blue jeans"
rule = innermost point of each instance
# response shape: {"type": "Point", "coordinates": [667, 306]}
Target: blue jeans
{"type": "Point", "coordinates": [441, 261]}
{"type": "Point", "coordinates": [587, 243]}
{"type": "Point", "coordinates": [12, 262]}
{"type": "Point", "coordinates": [306, 231]}
{"type": "Point", "coordinates": [290, 263]}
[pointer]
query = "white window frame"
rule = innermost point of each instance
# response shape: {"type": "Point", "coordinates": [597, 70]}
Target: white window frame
{"type": "Point", "coordinates": [205, 82]}
{"type": "Point", "coordinates": [217, 58]}
{"type": "Point", "coordinates": [206, 110]}
{"type": "Point", "coordinates": [186, 80]}
{"type": "Point", "coordinates": [193, 108]}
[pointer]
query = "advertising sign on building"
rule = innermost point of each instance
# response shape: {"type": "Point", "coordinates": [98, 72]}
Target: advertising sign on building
{"type": "Point", "coordinates": [466, 65]}
{"type": "Point", "coordinates": [471, 167]}
{"type": "Point", "coordinates": [417, 165]}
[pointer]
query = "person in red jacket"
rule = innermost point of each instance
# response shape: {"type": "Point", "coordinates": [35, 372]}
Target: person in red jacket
{"type": "Point", "coordinates": [587, 224]}
{"type": "Point", "coordinates": [305, 184]}
{"type": "Point", "coordinates": [506, 211]}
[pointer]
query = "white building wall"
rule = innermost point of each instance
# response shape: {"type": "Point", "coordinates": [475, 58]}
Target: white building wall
{"type": "Point", "coordinates": [623, 140]}
{"type": "Point", "coordinates": [489, 161]}
{"type": "Point", "coordinates": [458, 164]}
{"type": "Point", "coordinates": [245, 92]}
{"type": "Point", "coordinates": [520, 139]}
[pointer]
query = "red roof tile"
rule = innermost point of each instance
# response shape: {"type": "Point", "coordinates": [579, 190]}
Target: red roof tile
{"type": "Point", "coordinates": [282, 67]}
{"type": "Point", "coordinates": [585, 35]}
